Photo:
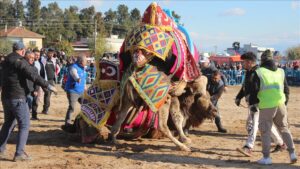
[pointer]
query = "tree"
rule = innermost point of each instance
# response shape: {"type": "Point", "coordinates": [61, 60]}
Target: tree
{"type": "Point", "coordinates": [6, 12]}
{"type": "Point", "coordinates": [52, 23]}
{"type": "Point", "coordinates": [65, 46]}
{"type": "Point", "coordinates": [33, 14]}
{"type": "Point", "coordinates": [123, 18]}
{"type": "Point", "coordinates": [19, 10]}
{"type": "Point", "coordinates": [110, 19]}
{"type": "Point", "coordinates": [293, 53]}
{"type": "Point", "coordinates": [86, 16]}
{"type": "Point", "coordinates": [5, 47]}
{"type": "Point", "coordinates": [135, 16]}
{"type": "Point", "coordinates": [176, 17]}
{"type": "Point", "coordinates": [71, 23]}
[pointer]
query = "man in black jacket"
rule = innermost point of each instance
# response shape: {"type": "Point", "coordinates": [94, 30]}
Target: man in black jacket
{"type": "Point", "coordinates": [17, 70]}
{"type": "Point", "coordinates": [49, 67]}
{"type": "Point", "coordinates": [250, 65]}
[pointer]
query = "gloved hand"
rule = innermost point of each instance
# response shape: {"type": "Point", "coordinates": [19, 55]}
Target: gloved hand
{"type": "Point", "coordinates": [237, 101]}
{"type": "Point", "coordinates": [253, 108]}
{"type": "Point", "coordinates": [52, 89]}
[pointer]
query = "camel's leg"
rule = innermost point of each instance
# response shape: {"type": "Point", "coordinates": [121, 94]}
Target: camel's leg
{"type": "Point", "coordinates": [178, 119]}
{"type": "Point", "coordinates": [126, 108]}
{"type": "Point", "coordinates": [163, 115]}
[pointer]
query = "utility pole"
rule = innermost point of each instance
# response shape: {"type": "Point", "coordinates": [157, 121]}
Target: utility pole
{"type": "Point", "coordinates": [95, 36]}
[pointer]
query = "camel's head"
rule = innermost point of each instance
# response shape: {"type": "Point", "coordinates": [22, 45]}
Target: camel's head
{"type": "Point", "coordinates": [203, 103]}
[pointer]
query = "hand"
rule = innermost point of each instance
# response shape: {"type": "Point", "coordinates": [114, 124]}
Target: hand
{"type": "Point", "coordinates": [225, 89]}
{"type": "Point", "coordinates": [253, 108]}
{"type": "Point", "coordinates": [52, 89]}
{"type": "Point", "coordinates": [35, 93]}
{"type": "Point", "coordinates": [237, 101]}
{"type": "Point", "coordinates": [78, 80]}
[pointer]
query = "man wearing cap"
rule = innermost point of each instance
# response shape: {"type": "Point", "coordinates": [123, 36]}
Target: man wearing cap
{"type": "Point", "coordinates": [249, 62]}
{"type": "Point", "coordinates": [49, 75]}
{"type": "Point", "coordinates": [17, 70]}
{"type": "Point", "coordinates": [269, 86]}
{"type": "Point", "coordinates": [207, 69]}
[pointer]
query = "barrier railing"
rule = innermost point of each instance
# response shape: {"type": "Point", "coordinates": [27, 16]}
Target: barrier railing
{"type": "Point", "coordinates": [236, 77]}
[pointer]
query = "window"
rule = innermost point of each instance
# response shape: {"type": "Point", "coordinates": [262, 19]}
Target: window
{"type": "Point", "coordinates": [32, 43]}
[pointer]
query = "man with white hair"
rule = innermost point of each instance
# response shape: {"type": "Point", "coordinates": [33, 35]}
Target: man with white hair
{"type": "Point", "coordinates": [75, 85]}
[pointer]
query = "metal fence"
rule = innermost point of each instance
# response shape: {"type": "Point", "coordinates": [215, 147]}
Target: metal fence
{"type": "Point", "coordinates": [236, 77]}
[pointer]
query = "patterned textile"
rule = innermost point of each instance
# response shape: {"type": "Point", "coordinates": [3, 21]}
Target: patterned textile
{"type": "Point", "coordinates": [185, 66]}
{"type": "Point", "coordinates": [102, 95]}
{"type": "Point", "coordinates": [151, 39]}
{"type": "Point", "coordinates": [151, 85]}
{"type": "Point", "coordinates": [155, 16]}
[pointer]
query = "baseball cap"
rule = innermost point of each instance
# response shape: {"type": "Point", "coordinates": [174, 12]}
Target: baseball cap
{"type": "Point", "coordinates": [18, 46]}
{"type": "Point", "coordinates": [204, 60]}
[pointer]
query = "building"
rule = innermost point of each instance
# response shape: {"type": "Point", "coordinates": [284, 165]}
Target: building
{"type": "Point", "coordinates": [20, 33]}
{"type": "Point", "coordinates": [257, 50]}
{"type": "Point", "coordinates": [81, 48]}
{"type": "Point", "coordinates": [113, 43]}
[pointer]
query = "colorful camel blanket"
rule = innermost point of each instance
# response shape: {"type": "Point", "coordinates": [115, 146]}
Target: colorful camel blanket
{"type": "Point", "coordinates": [151, 39]}
{"type": "Point", "coordinates": [152, 86]}
{"type": "Point", "coordinates": [102, 95]}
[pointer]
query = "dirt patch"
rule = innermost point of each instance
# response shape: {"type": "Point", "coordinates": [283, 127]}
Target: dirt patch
{"type": "Point", "coordinates": [51, 148]}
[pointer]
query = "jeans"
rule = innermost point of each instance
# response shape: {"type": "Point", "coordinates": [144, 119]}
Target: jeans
{"type": "Point", "coordinates": [72, 98]}
{"type": "Point", "coordinates": [15, 111]}
{"type": "Point", "coordinates": [29, 100]}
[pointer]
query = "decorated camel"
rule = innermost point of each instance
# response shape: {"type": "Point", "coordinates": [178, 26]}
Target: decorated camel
{"type": "Point", "coordinates": [157, 77]}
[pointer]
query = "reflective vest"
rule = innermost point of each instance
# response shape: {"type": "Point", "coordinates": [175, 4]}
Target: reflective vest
{"type": "Point", "coordinates": [271, 88]}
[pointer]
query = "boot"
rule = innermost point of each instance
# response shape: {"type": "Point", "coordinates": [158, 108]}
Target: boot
{"type": "Point", "coordinates": [219, 125]}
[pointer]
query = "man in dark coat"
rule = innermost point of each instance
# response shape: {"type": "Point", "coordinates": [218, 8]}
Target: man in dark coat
{"type": "Point", "coordinates": [14, 91]}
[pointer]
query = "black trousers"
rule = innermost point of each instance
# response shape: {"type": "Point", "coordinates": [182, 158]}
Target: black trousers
{"type": "Point", "coordinates": [47, 97]}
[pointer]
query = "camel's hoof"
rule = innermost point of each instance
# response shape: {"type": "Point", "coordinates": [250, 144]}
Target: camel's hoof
{"type": "Point", "coordinates": [185, 140]}
{"type": "Point", "coordinates": [185, 148]}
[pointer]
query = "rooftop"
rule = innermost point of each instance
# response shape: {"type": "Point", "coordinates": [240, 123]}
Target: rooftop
{"type": "Point", "coordinates": [19, 32]}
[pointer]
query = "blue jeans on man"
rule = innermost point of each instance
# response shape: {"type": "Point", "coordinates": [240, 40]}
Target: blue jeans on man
{"type": "Point", "coordinates": [15, 111]}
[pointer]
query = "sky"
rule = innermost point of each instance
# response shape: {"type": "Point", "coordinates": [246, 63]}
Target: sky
{"type": "Point", "coordinates": [216, 24]}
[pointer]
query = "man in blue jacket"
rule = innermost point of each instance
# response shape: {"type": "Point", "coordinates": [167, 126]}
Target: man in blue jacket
{"type": "Point", "coordinates": [75, 85]}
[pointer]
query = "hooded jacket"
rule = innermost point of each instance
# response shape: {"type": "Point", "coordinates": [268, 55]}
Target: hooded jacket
{"type": "Point", "coordinates": [255, 85]}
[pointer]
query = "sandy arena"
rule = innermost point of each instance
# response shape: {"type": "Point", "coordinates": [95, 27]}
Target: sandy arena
{"type": "Point", "coordinates": [50, 147]}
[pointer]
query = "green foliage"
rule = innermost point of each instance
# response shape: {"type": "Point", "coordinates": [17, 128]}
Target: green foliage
{"type": "Point", "coordinates": [5, 47]}
{"type": "Point", "coordinates": [293, 53]}
{"type": "Point", "coordinates": [65, 46]}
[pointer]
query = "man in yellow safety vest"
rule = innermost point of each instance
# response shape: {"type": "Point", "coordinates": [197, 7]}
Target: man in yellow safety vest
{"type": "Point", "coordinates": [270, 88]}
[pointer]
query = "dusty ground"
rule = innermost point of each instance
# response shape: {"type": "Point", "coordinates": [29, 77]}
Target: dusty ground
{"type": "Point", "coordinates": [50, 147]}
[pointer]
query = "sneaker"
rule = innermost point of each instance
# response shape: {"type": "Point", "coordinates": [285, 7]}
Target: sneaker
{"type": "Point", "coordinates": [279, 148]}
{"type": "Point", "coordinates": [2, 155]}
{"type": "Point", "coordinates": [245, 150]}
{"type": "Point", "coordinates": [293, 158]}
{"type": "Point", "coordinates": [24, 157]}
{"type": "Point", "coordinates": [265, 161]}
